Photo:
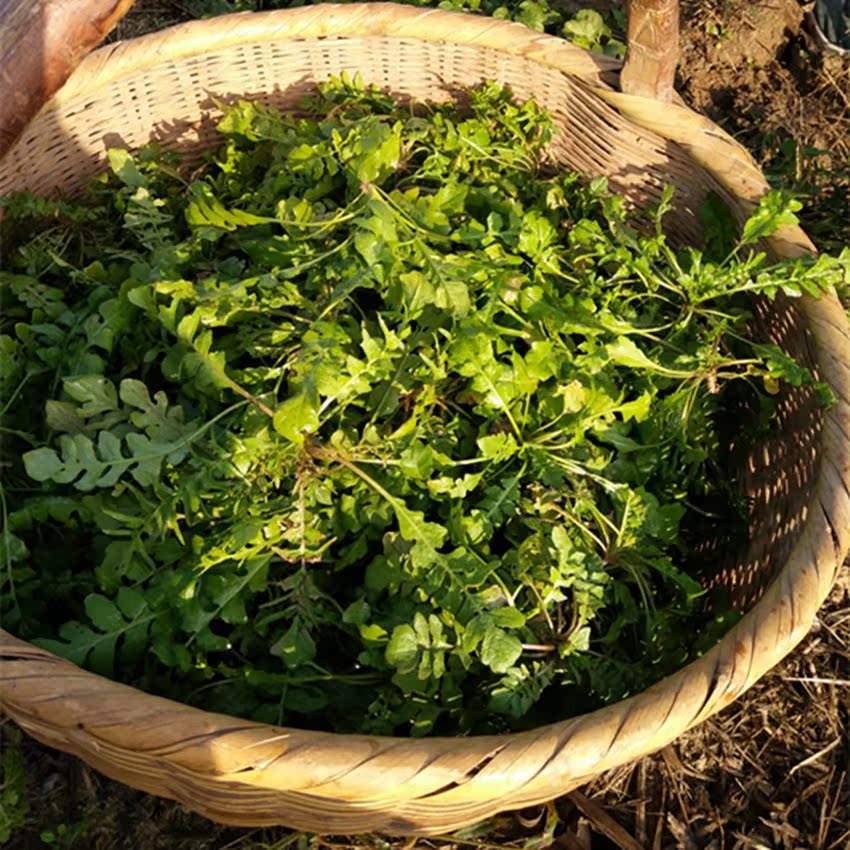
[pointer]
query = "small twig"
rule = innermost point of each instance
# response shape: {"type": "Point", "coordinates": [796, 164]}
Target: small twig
{"type": "Point", "coordinates": [817, 680]}
{"type": "Point", "coordinates": [240, 839]}
{"type": "Point", "coordinates": [253, 399]}
{"type": "Point", "coordinates": [603, 823]}
{"type": "Point", "coordinates": [568, 841]}
{"type": "Point", "coordinates": [837, 88]}
{"type": "Point", "coordinates": [815, 757]}
{"type": "Point", "coordinates": [640, 813]}
{"type": "Point", "coordinates": [659, 824]}
{"type": "Point", "coordinates": [674, 763]}
{"type": "Point", "coordinates": [827, 817]}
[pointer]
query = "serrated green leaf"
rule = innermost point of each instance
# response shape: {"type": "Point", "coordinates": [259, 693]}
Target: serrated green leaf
{"type": "Point", "coordinates": [357, 613]}
{"type": "Point", "coordinates": [42, 464]}
{"type": "Point", "coordinates": [103, 613]}
{"type": "Point", "coordinates": [161, 423]}
{"type": "Point", "coordinates": [124, 167]}
{"type": "Point", "coordinates": [206, 212]}
{"type": "Point", "coordinates": [413, 527]}
{"type": "Point", "coordinates": [500, 650]}
{"type": "Point", "coordinates": [497, 446]}
{"type": "Point", "coordinates": [295, 418]}
{"type": "Point", "coordinates": [624, 352]}
{"type": "Point", "coordinates": [403, 650]}
{"type": "Point", "coordinates": [420, 628]}
{"type": "Point", "coordinates": [131, 602]}
{"type": "Point", "coordinates": [295, 647]}
{"type": "Point", "coordinates": [508, 618]}
{"type": "Point", "coordinates": [776, 209]}
{"type": "Point", "coordinates": [62, 416]}
{"type": "Point", "coordinates": [96, 393]}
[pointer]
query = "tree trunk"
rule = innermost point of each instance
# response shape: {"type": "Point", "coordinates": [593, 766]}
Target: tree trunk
{"type": "Point", "coordinates": [653, 49]}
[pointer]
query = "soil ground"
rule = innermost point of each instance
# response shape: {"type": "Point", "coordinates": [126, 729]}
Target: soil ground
{"type": "Point", "coordinates": [769, 772]}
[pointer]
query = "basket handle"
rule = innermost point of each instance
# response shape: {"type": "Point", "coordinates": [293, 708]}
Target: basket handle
{"type": "Point", "coordinates": [653, 49]}
{"type": "Point", "coordinates": [41, 42]}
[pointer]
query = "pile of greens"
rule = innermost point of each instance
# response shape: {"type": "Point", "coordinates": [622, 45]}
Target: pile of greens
{"type": "Point", "coordinates": [371, 422]}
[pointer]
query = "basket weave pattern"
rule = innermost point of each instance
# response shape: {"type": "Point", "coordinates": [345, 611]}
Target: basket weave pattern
{"type": "Point", "coordinates": [164, 86]}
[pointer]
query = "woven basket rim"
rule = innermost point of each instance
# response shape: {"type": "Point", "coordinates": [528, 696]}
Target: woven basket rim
{"type": "Point", "coordinates": [271, 772]}
{"type": "Point", "coordinates": [337, 20]}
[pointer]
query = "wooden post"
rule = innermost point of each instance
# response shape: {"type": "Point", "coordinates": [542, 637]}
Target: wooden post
{"type": "Point", "coordinates": [653, 49]}
{"type": "Point", "coordinates": [41, 42]}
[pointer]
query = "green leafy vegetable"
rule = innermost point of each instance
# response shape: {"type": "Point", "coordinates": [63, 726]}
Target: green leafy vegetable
{"type": "Point", "coordinates": [373, 422]}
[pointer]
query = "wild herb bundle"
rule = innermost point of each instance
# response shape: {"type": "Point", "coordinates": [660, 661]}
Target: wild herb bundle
{"type": "Point", "coordinates": [371, 422]}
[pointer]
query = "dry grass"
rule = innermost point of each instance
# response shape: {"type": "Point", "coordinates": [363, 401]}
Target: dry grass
{"type": "Point", "coordinates": [769, 772]}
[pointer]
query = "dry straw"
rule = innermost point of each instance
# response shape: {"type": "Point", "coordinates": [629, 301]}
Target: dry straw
{"type": "Point", "coordinates": [244, 773]}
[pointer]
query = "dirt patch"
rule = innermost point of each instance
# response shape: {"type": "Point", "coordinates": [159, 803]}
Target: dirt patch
{"type": "Point", "coordinates": [755, 69]}
{"type": "Point", "coordinates": [739, 35]}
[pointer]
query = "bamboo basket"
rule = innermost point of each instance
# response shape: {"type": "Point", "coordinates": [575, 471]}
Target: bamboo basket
{"type": "Point", "coordinates": [243, 773]}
